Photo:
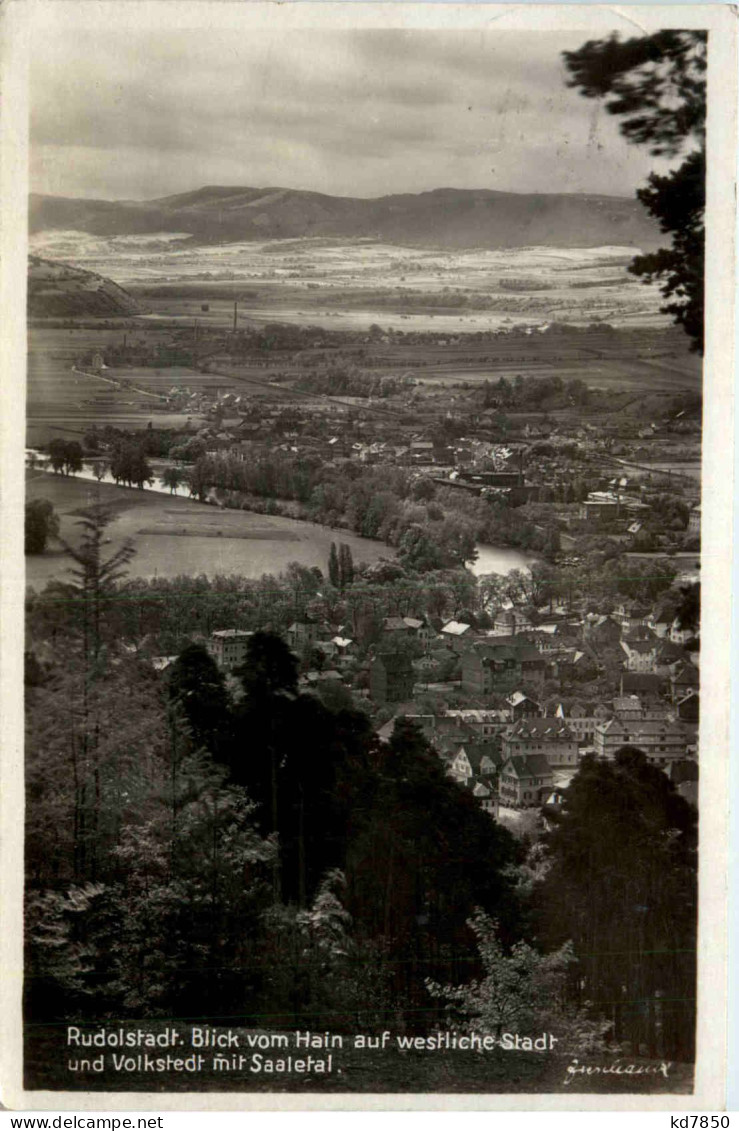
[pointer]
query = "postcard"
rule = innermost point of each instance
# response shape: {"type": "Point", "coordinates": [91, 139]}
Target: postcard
{"type": "Point", "coordinates": [367, 479]}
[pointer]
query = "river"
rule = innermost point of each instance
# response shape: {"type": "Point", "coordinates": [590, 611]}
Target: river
{"type": "Point", "coordinates": [495, 559]}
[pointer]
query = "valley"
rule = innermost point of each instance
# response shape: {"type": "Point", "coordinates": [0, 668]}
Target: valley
{"type": "Point", "coordinates": [355, 284]}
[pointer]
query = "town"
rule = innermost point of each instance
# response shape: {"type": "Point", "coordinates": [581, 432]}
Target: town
{"type": "Point", "coordinates": [363, 528]}
{"type": "Point", "coordinates": [513, 677]}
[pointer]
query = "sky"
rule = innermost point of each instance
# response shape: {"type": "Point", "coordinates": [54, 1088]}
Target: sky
{"type": "Point", "coordinates": [345, 112]}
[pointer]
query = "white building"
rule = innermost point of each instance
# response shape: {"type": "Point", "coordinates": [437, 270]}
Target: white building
{"type": "Point", "coordinates": [228, 646]}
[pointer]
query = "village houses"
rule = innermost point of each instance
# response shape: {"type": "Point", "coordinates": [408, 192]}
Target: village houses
{"type": "Point", "coordinates": [550, 737]}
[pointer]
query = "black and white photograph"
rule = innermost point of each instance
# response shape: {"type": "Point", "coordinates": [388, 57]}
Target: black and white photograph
{"type": "Point", "coordinates": [366, 523]}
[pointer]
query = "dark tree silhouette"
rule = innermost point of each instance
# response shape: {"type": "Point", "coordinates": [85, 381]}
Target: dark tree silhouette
{"type": "Point", "coordinates": [346, 566]}
{"type": "Point", "coordinates": [197, 685]}
{"type": "Point", "coordinates": [657, 85]}
{"type": "Point", "coordinates": [421, 856]}
{"type": "Point", "coordinates": [270, 670]}
{"type": "Point", "coordinates": [333, 567]}
{"type": "Point", "coordinates": [269, 677]}
{"type": "Point", "coordinates": [129, 465]}
{"type": "Point", "coordinates": [65, 456]}
{"type": "Point", "coordinates": [622, 886]}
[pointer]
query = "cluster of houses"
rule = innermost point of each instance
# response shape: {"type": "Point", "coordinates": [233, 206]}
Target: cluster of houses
{"type": "Point", "coordinates": [514, 651]}
{"type": "Point", "coordinates": [518, 744]}
{"type": "Point", "coordinates": [523, 755]}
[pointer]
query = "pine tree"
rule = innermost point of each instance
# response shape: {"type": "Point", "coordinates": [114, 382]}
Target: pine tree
{"type": "Point", "coordinates": [657, 85]}
{"type": "Point", "coordinates": [94, 584]}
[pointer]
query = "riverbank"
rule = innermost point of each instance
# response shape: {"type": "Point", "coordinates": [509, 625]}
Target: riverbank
{"type": "Point", "coordinates": [174, 535]}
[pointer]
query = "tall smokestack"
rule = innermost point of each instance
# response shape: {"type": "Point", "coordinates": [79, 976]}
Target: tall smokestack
{"type": "Point", "coordinates": [236, 305]}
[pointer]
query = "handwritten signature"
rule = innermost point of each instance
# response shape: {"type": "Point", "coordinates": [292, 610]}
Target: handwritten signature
{"type": "Point", "coordinates": [617, 1068]}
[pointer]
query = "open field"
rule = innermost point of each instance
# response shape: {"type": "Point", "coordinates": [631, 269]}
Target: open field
{"type": "Point", "coordinates": [62, 401]}
{"type": "Point", "coordinates": [522, 299]}
{"type": "Point", "coordinates": [175, 536]}
{"type": "Point", "coordinates": [635, 361]}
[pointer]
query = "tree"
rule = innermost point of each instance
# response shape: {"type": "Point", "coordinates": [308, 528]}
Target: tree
{"type": "Point", "coordinates": [57, 450]}
{"type": "Point", "coordinates": [333, 566]}
{"type": "Point", "coordinates": [346, 566]}
{"type": "Point", "coordinates": [93, 585]}
{"type": "Point", "coordinates": [688, 607]}
{"type": "Point", "coordinates": [186, 917]}
{"type": "Point", "coordinates": [42, 523]}
{"type": "Point", "coordinates": [269, 670]}
{"type": "Point", "coordinates": [172, 478]}
{"type": "Point", "coordinates": [100, 469]}
{"type": "Point", "coordinates": [457, 540]}
{"type": "Point", "coordinates": [622, 885]}
{"type": "Point", "coordinates": [94, 579]}
{"type": "Point", "coordinates": [421, 856]}
{"type": "Point", "coordinates": [523, 991]}
{"type": "Point", "coordinates": [198, 686]}
{"type": "Point", "coordinates": [315, 958]}
{"type": "Point", "coordinates": [56, 963]}
{"type": "Point", "coordinates": [94, 738]}
{"type": "Point", "coordinates": [72, 458]}
{"type": "Point", "coordinates": [141, 472]}
{"type": "Point", "coordinates": [199, 479]}
{"type": "Point", "coordinates": [418, 550]}
{"type": "Point", "coordinates": [65, 456]}
{"type": "Point", "coordinates": [423, 490]}
{"type": "Point", "coordinates": [129, 465]}
{"type": "Point", "coordinates": [269, 677]}
{"type": "Point", "coordinates": [657, 85]}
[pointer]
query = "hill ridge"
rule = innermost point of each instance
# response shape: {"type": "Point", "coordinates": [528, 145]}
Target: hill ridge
{"type": "Point", "coordinates": [59, 290]}
{"type": "Point", "coordinates": [441, 218]}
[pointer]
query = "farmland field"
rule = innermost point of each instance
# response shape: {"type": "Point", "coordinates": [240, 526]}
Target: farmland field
{"type": "Point", "coordinates": [62, 401]}
{"type": "Point", "coordinates": [353, 284]}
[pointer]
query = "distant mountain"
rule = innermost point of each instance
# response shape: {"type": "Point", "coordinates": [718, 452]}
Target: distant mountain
{"type": "Point", "coordinates": [57, 290]}
{"type": "Point", "coordinates": [448, 218]}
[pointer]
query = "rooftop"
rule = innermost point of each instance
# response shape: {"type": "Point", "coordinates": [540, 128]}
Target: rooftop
{"type": "Point", "coordinates": [546, 729]}
{"type": "Point", "coordinates": [529, 766]}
